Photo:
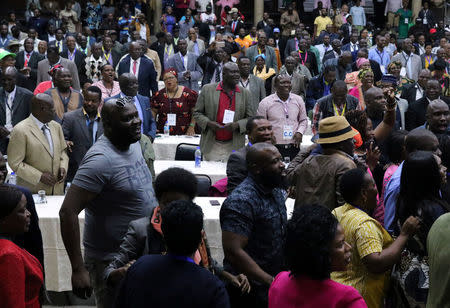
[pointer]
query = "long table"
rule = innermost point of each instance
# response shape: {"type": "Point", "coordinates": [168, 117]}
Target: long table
{"type": "Point", "coordinates": [215, 170]}
{"type": "Point", "coordinates": [57, 265]}
{"type": "Point", "coordinates": [166, 146]}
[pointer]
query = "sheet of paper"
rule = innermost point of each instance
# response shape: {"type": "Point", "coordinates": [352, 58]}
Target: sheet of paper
{"type": "Point", "coordinates": [172, 119]}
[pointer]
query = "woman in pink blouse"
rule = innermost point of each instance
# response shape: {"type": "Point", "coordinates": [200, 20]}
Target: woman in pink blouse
{"type": "Point", "coordinates": [107, 84]}
{"type": "Point", "coordinates": [314, 247]}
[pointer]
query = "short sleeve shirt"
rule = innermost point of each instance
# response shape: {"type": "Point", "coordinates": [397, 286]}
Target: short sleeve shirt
{"type": "Point", "coordinates": [260, 216]}
{"type": "Point", "coordinates": [123, 184]}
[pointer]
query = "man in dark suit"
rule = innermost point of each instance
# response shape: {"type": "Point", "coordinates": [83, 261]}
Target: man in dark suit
{"type": "Point", "coordinates": [129, 87]}
{"type": "Point", "coordinates": [415, 91]}
{"type": "Point", "coordinates": [141, 67]}
{"type": "Point", "coordinates": [235, 24]}
{"type": "Point", "coordinates": [352, 46]}
{"type": "Point", "coordinates": [185, 63]}
{"type": "Point", "coordinates": [14, 105]}
{"type": "Point", "coordinates": [319, 86]}
{"type": "Point", "coordinates": [158, 46]}
{"type": "Point", "coordinates": [109, 54]}
{"type": "Point", "coordinates": [426, 16]}
{"type": "Point", "coordinates": [335, 53]}
{"type": "Point", "coordinates": [182, 226]}
{"type": "Point", "coordinates": [293, 43]}
{"type": "Point", "coordinates": [259, 130]}
{"type": "Point", "coordinates": [78, 57]}
{"type": "Point", "coordinates": [81, 128]}
{"type": "Point", "coordinates": [212, 64]}
{"type": "Point", "coordinates": [416, 113]}
{"type": "Point", "coordinates": [27, 63]}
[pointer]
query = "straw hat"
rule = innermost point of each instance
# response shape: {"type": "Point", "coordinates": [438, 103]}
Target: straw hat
{"type": "Point", "coordinates": [334, 130]}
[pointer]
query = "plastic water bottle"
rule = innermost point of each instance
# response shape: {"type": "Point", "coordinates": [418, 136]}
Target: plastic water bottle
{"type": "Point", "coordinates": [198, 158]}
{"type": "Point", "coordinates": [12, 179]}
{"type": "Point", "coordinates": [166, 129]}
{"type": "Point", "coordinates": [67, 187]}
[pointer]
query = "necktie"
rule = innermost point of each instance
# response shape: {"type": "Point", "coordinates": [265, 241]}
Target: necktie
{"type": "Point", "coordinates": [234, 26]}
{"type": "Point", "coordinates": [47, 135]}
{"type": "Point", "coordinates": [91, 131]}
{"type": "Point", "coordinates": [218, 73]}
{"type": "Point", "coordinates": [26, 60]}
{"type": "Point", "coordinates": [134, 67]}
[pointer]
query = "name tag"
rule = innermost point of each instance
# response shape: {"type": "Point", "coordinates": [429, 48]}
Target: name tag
{"type": "Point", "coordinates": [228, 116]}
{"type": "Point", "coordinates": [383, 69]}
{"type": "Point", "coordinates": [406, 20]}
{"type": "Point", "coordinates": [172, 119]}
{"type": "Point", "coordinates": [288, 132]}
{"type": "Point", "coordinates": [403, 72]}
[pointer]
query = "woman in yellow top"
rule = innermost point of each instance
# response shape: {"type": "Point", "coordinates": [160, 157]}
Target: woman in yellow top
{"type": "Point", "coordinates": [261, 71]}
{"type": "Point", "coordinates": [374, 252]}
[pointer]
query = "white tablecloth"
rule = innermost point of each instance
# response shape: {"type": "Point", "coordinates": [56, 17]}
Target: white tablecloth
{"type": "Point", "coordinates": [166, 146]}
{"type": "Point", "coordinates": [215, 170]}
{"type": "Point", "coordinates": [57, 265]}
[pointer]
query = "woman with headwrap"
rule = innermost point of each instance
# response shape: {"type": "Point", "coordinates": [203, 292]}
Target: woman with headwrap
{"type": "Point", "coordinates": [351, 79]}
{"type": "Point", "coordinates": [260, 70]}
{"type": "Point", "coordinates": [174, 104]}
{"type": "Point", "coordinates": [366, 82]}
{"type": "Point", "coordinates": [394, 68]}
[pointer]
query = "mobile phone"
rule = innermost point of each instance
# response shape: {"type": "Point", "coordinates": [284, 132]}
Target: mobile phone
{"type": "Point", "coordinates": [214, 202]}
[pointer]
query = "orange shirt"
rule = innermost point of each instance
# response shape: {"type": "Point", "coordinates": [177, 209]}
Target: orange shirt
{"type": "Point", "coordinates": [242, 42]}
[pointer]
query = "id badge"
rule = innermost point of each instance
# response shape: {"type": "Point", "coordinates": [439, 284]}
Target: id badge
{"type": "Point", "coordinates": [383, 69]}
{"type": "Point", "coordinates": [406, 20]}
{"type": "Point", "coordinates": [228, 116]}
{"type": "Point", "coordinates": [288, 132]}
{"type": "Point", "coordinates": [403, 72]}
{"type": "Point", "coordinates": [172, 119]}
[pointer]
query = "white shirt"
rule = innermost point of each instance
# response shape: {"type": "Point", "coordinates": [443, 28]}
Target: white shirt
{"type": "Point", "coordinates": [143, 32]}
{"type": "Point", "coordinates": [138, 63]}
{"type": "Point", "coordinates": [419, 92]}
{"type": "Point", "coordinates": [9, 106]}
{"type": "Point", "coordinates": [245, 84]}
{"type": "Point", "coordinates": [353, 47]}
{"type": "Point", "coordinates": [48, 134]}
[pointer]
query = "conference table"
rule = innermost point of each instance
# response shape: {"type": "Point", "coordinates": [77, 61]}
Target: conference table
{"type": "Point", "coordinates": [166, 146]}
{"type": "Point", "coordinates": [57, 265]}
{"type": "Point", "coordinates": [215, 170]}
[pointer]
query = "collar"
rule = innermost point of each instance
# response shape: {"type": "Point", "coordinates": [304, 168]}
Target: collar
{"type": "Point", "coordinates": [220, 88]}
{"type": "Point", "coordinates": [38, 123]}
{"type": "Point", "coordinates": [28, 53]}
{"type": "Point", "coordinates": [277, 98]}
{"type": "Point", "coordinates": [260, 188]}
{"type": "Point", "coordinates": [138, 60]}
{"type": "Point", "coordinates": [13, 92]}
{"type": "Point", "coordinates": [121, 94]}
{"type": "Point", "coordinates": [97, 117]}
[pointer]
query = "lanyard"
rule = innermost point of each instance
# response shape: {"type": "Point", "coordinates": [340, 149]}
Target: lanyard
{"type": "Point", "coordinates": [336, 111]}
{"type": "Point", "coordinates": [71, 56]}
{"type": "Point", "coordinates": [380, 54]}
{"type": "Point", "coordinates": [246, 84]}
{"type": "Point", "coordinates": [285, 107]}
{"type": "Point", "coordinates": [169, 51]}
{"type": "Point", "coordinates": [406, 59]}
{"type": "Point", "coordinates": [428, 59]}
{"type": "Point", "coordinates": [106, 56]}
{"type": "Point", "coordinates": [306, 57]}
{"type": "Point", "coordinates": [230, 98]}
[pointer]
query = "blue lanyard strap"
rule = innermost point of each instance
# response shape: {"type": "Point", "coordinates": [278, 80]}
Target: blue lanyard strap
{"type": "Point", "coordinates": [181, 258]}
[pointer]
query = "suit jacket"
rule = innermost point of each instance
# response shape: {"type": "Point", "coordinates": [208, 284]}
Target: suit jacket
{"type": "Point", "coordinates": [75, 129]}
{"type": "Point", "coordinates": [206, 110]}
{"type": "Point", "coordinates": [208, 66]}
{"type": "Point", "coordinates": [239, 25]}
{"type": "Point", "coordinates": [159, 48]}
{"type": "Point", "coordinates": [44, 66]}
{"type": "Point", "coordinates": [115, 57]}
{"type": "Point", "coordinates": [430, 17]}
{"type": "Point", "coordinates": [20, 110]}
{"type": "Point", "coordinates": [422, 58]}
{"type": "Point", "coordinates": [415, 116]}
{"type": "Point", "coordinates": [314, 91]}
{"type": "Point", "coordinates": [192, 66]}
{"type": "Point", "coordinates": [149, 124]}
{"type": "Point", "coordinates": [416, 65]}
{"type": "Point", "coordinates": [29, 155]}
{"type": "Point", "coordinates": [271, 58]}
{"type": "Point", "coordinates": [201, 46]}
{"type": "Point", "coordinates": [257, 89]}
{"type": "Point", "coordinates": [409, 92]}
{"type": "Point", "coordinates": [33, 64]}
{"type": "Point", "coordinates": [146, 75]}
{"type": "Point", "coordinates": [79, 62]}
{"type": "Point", "coordinates": [290, 47]}
{"type": "Point", "coordinates": [236, 168]}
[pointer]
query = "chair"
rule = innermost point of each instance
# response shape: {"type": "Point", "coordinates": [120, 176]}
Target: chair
{"type": "Point", "coordinates": [185, 151]}
{"type": "Point", "coordinates": [203, 185]}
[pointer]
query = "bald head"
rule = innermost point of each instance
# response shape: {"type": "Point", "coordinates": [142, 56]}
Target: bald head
{"type": "Point", "coordinates": [230, 74]}
{"type": "Point", "coordinates": [42, 107]}
{"type": "Point", "coordinates": [128, 84]}
{"type": "Point", "coordinates": [257, 153]}
{"type": "Point", "coordinates": [421, 139]}
{"type": "Point", "coordinates": [438, 116]}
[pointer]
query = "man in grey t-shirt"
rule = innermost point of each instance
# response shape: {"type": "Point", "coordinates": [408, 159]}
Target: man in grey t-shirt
{"type": "Point", "coordinates": [114, 186]}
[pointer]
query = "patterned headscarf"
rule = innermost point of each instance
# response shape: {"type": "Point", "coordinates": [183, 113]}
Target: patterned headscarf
{"type": "Point", "coordinates": [363, 72]}
{"type": "Point", "coordinates": [361, 61]}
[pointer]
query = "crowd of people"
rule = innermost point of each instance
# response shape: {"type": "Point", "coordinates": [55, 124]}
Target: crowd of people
{"type": "Point", "coordinates": [87, 87]}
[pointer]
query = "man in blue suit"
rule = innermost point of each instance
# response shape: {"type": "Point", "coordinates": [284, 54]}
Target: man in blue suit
{"type": "Point", "coordinates": [129, 87]}
{"type": "Point", "coordinates": [141, 67]}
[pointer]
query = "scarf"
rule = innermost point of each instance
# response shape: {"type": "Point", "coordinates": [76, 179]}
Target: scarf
{"type": "Point", "coordinates": [201, 255]}
{"type": "Point", "coordinates": [264, 74]}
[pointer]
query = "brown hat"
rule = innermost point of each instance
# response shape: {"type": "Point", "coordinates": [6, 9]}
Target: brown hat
{"type": "Point", "coordinates": [334, 129]}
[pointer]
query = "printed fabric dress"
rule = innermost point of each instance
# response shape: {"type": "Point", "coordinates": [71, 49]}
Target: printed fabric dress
{"type": "Point", "coordinates": [181, 106]}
